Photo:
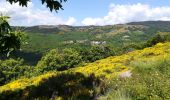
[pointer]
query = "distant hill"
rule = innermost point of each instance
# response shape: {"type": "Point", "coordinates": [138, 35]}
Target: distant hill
{"type": "Point", "coordinates": [157, 25]}
{"type": "Point", "coordinates": [150, 23]}
{"type": "Point", "coordinates": [48, 29]}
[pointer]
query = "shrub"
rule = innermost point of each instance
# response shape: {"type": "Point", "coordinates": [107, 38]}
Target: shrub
{"type": "Point", "coordinates": [11, 69]}
{"type": "Point", "coordinates": [96, 53]}
{"type": "Point", "coordinates": [52, 60]}
{"type": "Point", "coordinates": [154, 40]}
{"type": "Point", "coordinates": [71, 58]}
{"type": "Point", "coordinates": [68, 86]}
{"type": "Point", "coordinates": [55, 60]}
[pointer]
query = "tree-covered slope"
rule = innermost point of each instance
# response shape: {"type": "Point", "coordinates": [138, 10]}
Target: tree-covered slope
{"type": "Point", "coordinates": [154, 25]}
{"type": "Point", "coordinates": [129, 37]}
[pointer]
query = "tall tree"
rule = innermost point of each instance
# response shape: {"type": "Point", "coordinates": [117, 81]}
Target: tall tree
{"type": "Point", "coordinates": [9, 40]}
{"type": "Point", "coordinates": [51, 4]}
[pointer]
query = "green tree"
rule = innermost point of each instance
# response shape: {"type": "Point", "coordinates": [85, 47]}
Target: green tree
{"type": "Point", "coordinates": [59, 60]}
{"type": "Point", "coordinates": [51, 4]}
{"type": "Point", "coordinates": [71, 58]}
{"type": "Point", "coordinates": [52, 60]}
{"type": "Point", "coordinates": [9, 40]}
{"type": "Point", "coordinates": [154, 40]}
{"type": "Point", "coordinates": [96, 52]}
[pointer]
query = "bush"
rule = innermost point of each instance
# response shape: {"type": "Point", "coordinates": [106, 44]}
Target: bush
{"type": "Point", "coordinates": [71, 58]}
{"type": "Point", "coordinates": [55, 60]}
{"type": "Point", "coordinates": [65, 85]}
{"type": "Point", "coordinates": [11, 69]}
{"type": "Point", "coordinates": [154, 40]}
{"type": "Point", "coordinates": [96, 53]}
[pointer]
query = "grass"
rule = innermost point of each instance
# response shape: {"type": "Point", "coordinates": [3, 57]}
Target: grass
{"type": "Point", "coordinates": [150, 81]}
{"type": "Point", "coordinates": [150, 77]}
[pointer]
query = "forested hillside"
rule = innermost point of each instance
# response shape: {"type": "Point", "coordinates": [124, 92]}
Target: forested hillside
{"type": "Point", "coordinates": [123, 38]}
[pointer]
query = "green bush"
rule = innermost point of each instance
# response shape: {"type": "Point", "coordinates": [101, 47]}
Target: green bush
{"type": "Point", "coordinates": [55, 60]}
{"type": "Point", "coordinates": [154, 40]}
{"type": "Point", "coordinates": [11, 69]}
{"type": "Point", "coordinates": [96, 53]}
{"type": "Point", "coordinates": [71, 58]}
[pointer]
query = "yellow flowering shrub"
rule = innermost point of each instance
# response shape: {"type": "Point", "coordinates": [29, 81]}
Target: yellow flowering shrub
{"type": "Point", "coordinates": [23, 83]}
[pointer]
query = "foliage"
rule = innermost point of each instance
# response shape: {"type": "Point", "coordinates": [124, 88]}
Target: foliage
{"type": "Point", "coordinates": [96, 53]}
{"type": "Point", "coordinates": [154, 40]}
{"type": "Point", "coordinates": [9, 40]}
{"type": "Point", "coordinates": [51, 4]}
{"type": "Point", "coordinates": [165, 35]}
{"type": "Point", "coordinates": [69, 58]}
{"type": "Point", "coordinates": [55, 60]}
{"type": "Point", "coordinates": [51, 61]}
{"type": "Point", "coordinates": [12, 69]}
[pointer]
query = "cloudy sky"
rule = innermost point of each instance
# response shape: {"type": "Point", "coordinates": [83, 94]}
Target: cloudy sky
{"type": "Point", "coordinates": [88, 12]}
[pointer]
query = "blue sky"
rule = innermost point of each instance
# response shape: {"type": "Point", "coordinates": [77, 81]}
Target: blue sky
{"type": "Point", "coordinates": [99, 8]}
{"type": "Point", "coordinates": [88, 12]}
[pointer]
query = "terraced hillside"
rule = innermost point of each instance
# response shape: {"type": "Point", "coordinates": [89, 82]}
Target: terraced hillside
{"type": "Point", "coordinates": [91, 80]}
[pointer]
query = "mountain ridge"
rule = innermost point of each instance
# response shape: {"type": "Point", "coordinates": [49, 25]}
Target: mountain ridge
{"type": "Point", "coordinates": [46, 29]}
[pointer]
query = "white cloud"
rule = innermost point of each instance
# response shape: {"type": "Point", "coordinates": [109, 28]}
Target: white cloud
{"type": "Point", "coordinates": [31, 15]}
{"type": "Point", "coordinates": [71, 21]}
{"type": "Point", "coordinates": [128, 13]}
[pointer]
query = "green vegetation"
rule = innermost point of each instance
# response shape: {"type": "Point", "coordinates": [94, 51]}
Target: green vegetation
{"type": "Point", "coordinates": [12, 69]}
{"type": "Point", "coordinates": [91, 62]}
{"type": "Point", "coordinates": [154, 40]}
{"type": "Point", "coordinates": [119, 40]}
{"type": "Point", "coordinates": [39, 42]}
{"type": "Point", "coordinates": [148, 79]}
{"type": "Point", "coordinates": [55, 60]}
{"type": "Point", "coordinates": [9, 40]}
